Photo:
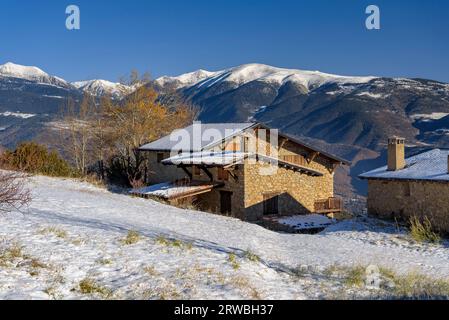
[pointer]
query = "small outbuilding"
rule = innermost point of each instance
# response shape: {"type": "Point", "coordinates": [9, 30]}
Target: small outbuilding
{"type": "Point", "coordinates": [416, 186]}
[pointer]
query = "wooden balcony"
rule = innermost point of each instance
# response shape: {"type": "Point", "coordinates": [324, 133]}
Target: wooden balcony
{"type": "Point", "coordinates": [330, 205]}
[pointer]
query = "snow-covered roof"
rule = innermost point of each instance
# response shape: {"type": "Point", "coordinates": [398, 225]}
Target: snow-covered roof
{"type": "Point", "coordinates": [206, 158]}
{"type": "Point", "coordinates": [431, 166]}
{"type": "Point", "coordinates": [229, 158]}
{"type": "Point", "coordinates": [174, 190]}
{"type": "Point", "coordinates": [210, 133]}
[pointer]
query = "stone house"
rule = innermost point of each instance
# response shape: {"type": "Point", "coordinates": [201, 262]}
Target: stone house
{"type": "Point", "coordinates": [244, 170]}
{"type": "Point", "coordinates": [416, 186]}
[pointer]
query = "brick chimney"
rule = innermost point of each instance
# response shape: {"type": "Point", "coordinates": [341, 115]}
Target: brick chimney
{"type": "Point", "coordinates": [396, 154]}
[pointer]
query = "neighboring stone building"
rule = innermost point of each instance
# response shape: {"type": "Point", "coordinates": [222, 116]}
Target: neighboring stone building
{"type": "Point", "coordinates": [244, 170]}
{"type": "Point", "coordinates": [417, 186]}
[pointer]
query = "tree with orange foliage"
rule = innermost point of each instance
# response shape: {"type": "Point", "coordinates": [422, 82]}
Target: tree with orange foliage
{"type": "Point", "coordinates": [141, 118]}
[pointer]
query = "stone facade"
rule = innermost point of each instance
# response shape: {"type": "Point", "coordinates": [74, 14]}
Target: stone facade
{"type": "Point", "coordinates": [403, 199]}
{"type": "Point", "coordinates": [251, 186]}
{"type": "Point", "coordinates": [297, 192]}
{"type": "Point", "coordinates": [159, 173]}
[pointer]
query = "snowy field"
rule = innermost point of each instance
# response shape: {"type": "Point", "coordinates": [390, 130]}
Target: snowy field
{"type": "Point", "coordinates": [76, 241]}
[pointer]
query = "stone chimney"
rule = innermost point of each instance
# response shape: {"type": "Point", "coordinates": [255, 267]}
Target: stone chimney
{"type": "Point", "coordinates": [396, 154]}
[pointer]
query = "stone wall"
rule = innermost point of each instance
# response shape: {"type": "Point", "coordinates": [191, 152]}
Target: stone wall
{"type": "Point", "coordinates": [158, 173]}
{"type": "Point", "coordinates": [211, 201]}
{"type": "Point", "coordinates": [404, 199]}
{"type": "Point", "coordinates": [297, 191]}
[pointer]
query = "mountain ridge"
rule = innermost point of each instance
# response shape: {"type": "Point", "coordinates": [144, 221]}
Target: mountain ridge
{"type": "Point", "coordinates": [352, 116]}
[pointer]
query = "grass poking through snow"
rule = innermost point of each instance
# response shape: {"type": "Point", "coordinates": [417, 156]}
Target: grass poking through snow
{"type": "Point", "coordinates": [131, 238]}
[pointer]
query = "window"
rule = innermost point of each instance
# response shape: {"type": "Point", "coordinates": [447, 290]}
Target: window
{"type": "Point", "coordinates": [245, 144]}
{"type": "Point", "coordinates": [270, 204]}
{"type": "Point", "coordinates": [223, 174]}
{"type": "Point", "coordinates": [160, 157]}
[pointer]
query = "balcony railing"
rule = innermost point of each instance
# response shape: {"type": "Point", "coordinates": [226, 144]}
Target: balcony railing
{"type": "Point", "coordinates": [329, 205]}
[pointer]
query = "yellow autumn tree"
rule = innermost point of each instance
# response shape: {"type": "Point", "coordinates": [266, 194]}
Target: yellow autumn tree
{"type": "Point", "coordinates": [138, 119]}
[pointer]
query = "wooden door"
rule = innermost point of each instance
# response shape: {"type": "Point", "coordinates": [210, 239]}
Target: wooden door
{"type": "Point", "coordinates": [225, 202]}
{"type": "Point", "coordinates": [270, 204]}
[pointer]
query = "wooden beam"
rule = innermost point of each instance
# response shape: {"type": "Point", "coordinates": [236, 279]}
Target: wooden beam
{"type": "Point", "coordinates": [232, 174]}
{"type": "Point", "coordinates": [312, 157]}
{"type": "Point", "coordinates": [333, 167]}
{"type": "Point", "coordinates": [207, 172]}
{"type": "Point", "coordinates": [282, 143]}
{"type": "Point", "coordinates": [186, 171]}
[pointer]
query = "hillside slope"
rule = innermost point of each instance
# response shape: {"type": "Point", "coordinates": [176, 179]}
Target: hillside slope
{"type": "Point", "coordinates": [74, 232]}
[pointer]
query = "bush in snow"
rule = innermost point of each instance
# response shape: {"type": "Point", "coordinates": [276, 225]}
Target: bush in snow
{"type": "Point", "coordinates": [36, 159]}
{"type": "Point", "coordinates": [13, 193]}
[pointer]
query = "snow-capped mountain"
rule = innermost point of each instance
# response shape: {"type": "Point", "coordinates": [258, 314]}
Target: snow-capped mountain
{"type": "Point", "coordinates": [259, 72]}
{"type": "Point", "coordinates": [32, 74]}
{"type": "Point", "coordinates": [184, 80]}
{"type": "Point", "coordinates": [103, 87]}
{"type": "Point", "coordinates": [352, 110]}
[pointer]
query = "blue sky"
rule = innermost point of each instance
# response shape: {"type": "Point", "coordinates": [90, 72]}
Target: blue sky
{"type": "Point", "coordinates": [173, 37]}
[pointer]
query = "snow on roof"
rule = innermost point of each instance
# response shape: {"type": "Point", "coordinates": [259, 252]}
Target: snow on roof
{"type": "Point", "coordinates": [226, 158]}
{"type": "Point", "coordinates": [174, 190]}
{"type": "Point", "coordinates": [431, 166]}
{"type": "Point", "coordinates": [206, 158]}
{"type": "Point", "coordinates": [306, 222]}
{"type": "Point", "coordinates": [209, 133]}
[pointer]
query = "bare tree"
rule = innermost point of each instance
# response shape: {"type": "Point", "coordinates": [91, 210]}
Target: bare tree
{"type": "Point", "coordinates": [13, 193]}
{"type": "Point", "coordinates": [78, 134]}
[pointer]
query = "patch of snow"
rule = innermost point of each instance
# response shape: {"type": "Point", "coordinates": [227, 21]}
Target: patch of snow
{"type": "Point", "coordinates": [55, 97]}
{"type": "Point", "coordinates": [17, 114]}
{"type": "Point", "coordinates": [429, 116]}
{"type": "Point", "coordinates": [257, 111]}
{"type": "Point", "coordinates": [306, 222]}
{"type": "Point", "coordinates": [373, 95]}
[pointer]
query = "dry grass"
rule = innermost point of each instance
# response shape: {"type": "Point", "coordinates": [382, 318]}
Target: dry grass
{"type": "Point", "coordinates": [251, 256]}
{"type": "Point", "coordinates": [8, 255]}
{"type": "Point", "coordinates": [391, 285]}
{"type": "Point", "coordinates": [104, 261]}
{"type": "Point", "coordinates": [355, 276]}
{"type": "Point", "coordinates": [161, 240]}
{"type": "Point", "coordinates": [151, 271]}
{"type": "Point", "coordinates": [131, 238]}
{"type": "Point", "coordinates": [245, 287]}
{"type": "Point", "coordinates": [94, 180]}
{"type": "Point", "coordinates": [415, 286]}
{"type": "Point", "coordinates": [89, 286]}
{"type": "Point", "coordinates": [422, 231]}
{"type": "Point", "coordinates": [232, 258]}
{"type": "Point", "coordinates": [58, 232]}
